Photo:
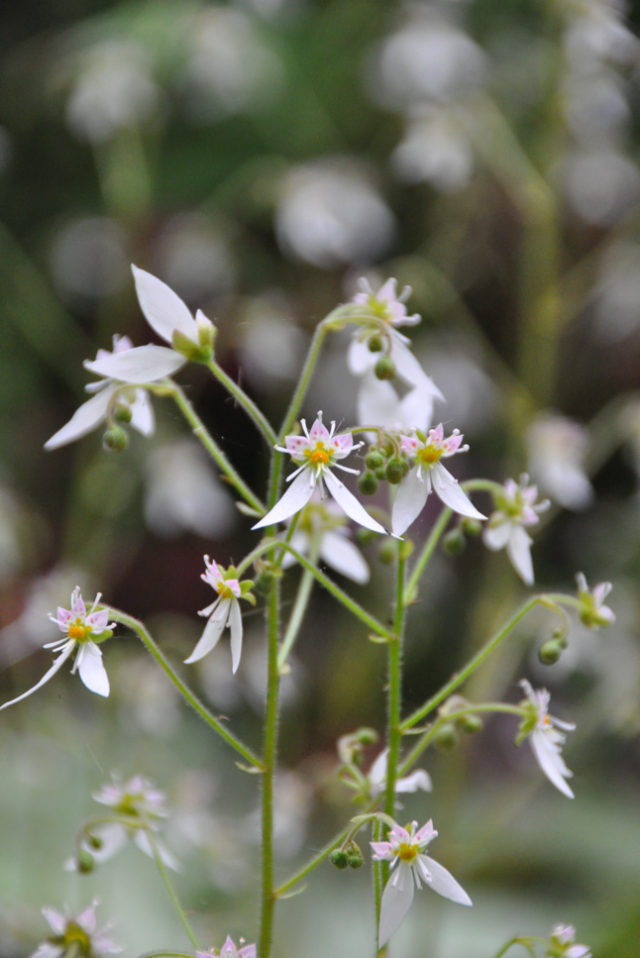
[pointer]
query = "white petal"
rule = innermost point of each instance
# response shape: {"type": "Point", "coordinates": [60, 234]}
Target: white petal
{"type": "Point", "coordinates": [92, 671]}
{"type": "Point", "coordinates": [409, 369]}
{"type": "Point", "coordinates": [551, 762]}
{"type": "Point", "coordinates": [235, 624]}
{"type": "Point", "coordinates": [57, 921]}
{"type": "Point", "coordinates": [142, 840]}
{"type": "Point", "coordinates": [114, 837]}
{"type": "Point", "coordinates": [409, 502]}
{"type": "Point", "coordinates": [343, 556]}
{"type": "Point", "coordinates": [378, 771]}
{"type": "Point", "coordinates": [378, 403]}
{"type": "Point", "coordinates": [417, 780]}
{"type": "Point", "coordinates": [295, 498]}
{"type": "Point", "coordinates": [164, 310]}
{"type": "Point", "coordinates": [57, 665]}
{"type": "Point", "coordinates": [496, 537]}
{"type": "Point", "coordinates": [144, 364]}
{"type": "Point", "coordinates": [212, 632]}
{"type": "Point", "coordinates": [46, 950]}
{"type": "Point", "coordinates": [519, 552]}
{"type": "Point", "coordinates": [300, 542]}
{"type": "Point", "coordinates": [84, 420]}
{"type": "Point", "coordinates": [396, 902]}
{"type": "Point", "coordinates": [449, 491]}
{"type": "Point", "coordinates": [354, 509]}
{"type": "Point", "coordinates": [416, 409]}
{"type": "Point", "coordinates": [445, 884]}
{"type": "Point", "coordinates": [142, 417]}
{"type": "Point", "coordinates": [360, 358]}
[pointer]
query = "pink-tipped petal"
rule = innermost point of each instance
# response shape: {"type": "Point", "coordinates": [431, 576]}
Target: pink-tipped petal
{"type": "Point", "coordinates": [342, 445]}
{"type": "Point", "coordinates": [383, 851]}
{"type": "Point", "coordinates": [425, 834]}
{"type": "Point", "coordinates": [295, 498]}
{"type": "Point", "coordinates": [319, 432]}
{"type": "Point", "coordinates": [437, 434]}
{"type": "Point", "coordinates": [296, 445]}
{"type": "Point", "coordinates": [57, 921]}
{"type": "Point", "coordinates": [249, 951]}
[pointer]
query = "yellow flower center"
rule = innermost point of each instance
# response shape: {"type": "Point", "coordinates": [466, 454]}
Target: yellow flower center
{"type": "Point", "coordinates": [429, 455]}
{"type": "Point", "coordinates": [224, 591]}
{"type": "Point", "coordinates": [407, 852]}
{"type": "Point", "coordinates": [79, 630]}
{"type": "Point", "coordinates": [319, 455]}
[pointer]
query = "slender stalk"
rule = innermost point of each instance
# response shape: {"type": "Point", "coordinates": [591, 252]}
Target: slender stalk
{"type": "Point", "coordinates": [377, 876]}
{"type": "Point", "coordinates": [300, 606]}
{"type": "Point", "coordinates": [136, 626]}
{"type": "Point", "coordinates": [317, 859]}
{"type": "Point", "coordinates": [427, 551]}
{"type": "Point", "coordinates": [471, 666]}
{"type": "Point", "coordinates": [525, 942]}
{"type": "Point", "coordinates": [305, 376]}
{"type": "Point", "coordinates": [258, 418]}
{"type": "Point", "coordinates": [269, 759]}
{"type": "Point", "coordinates": [214, 450]}
{"type": "Point", "coordinates": [172, 892]}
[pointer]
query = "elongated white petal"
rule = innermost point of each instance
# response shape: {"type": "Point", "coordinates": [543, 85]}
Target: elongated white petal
{"type": "Point", "coordinates": [144, 364]}
{"type": "Point", "coordinates": [551, 762]}
{"type": "Point", "coordinates": [163, 309]}
{"type": "Point", "coordinates": [409, 502]}
{"type": "Point", "coordinates": [417, 780]}
{"type": "Point", "coordinates": [235, 624]}
{"type": "Point", "coordinates": [57, 665]}
{"type": "Point", "coordinates": [295, 498]}
{"type": "Point", "coordinates": [378, 403]}
{"type": "Point", "coordinates": [416, 409]}
{"type": "Point", "coordinates": [519, 552]}
{"type": "Point", "coordinates": [360, 358]}
{"type": "Point", "coordinates": [142, 840]}
{"type": "Point", "coordinates": [496, 537]}
{"type": "Point", "coordinates": [85, 419]}
{"type": "Point", "coordinates": [142, 416]}
{"type": "Point", "coordinates": [343, 556]}
{"type": "Point", "coordinates": [396, 902]}
{"type": "Point", "coordinates": [449, 491]}
{"type": "Point", "coordinates": [92, 671]}
{"type": "Point", "coordinates": [57, 921]}
{"type": "Point", "coordinates": [445, 884]}
{"type": "Point", "coordinates": [409, 369]}
{"type": "Point", "coordinates": [212, 632]}
{"type": "Point", "coordinates": [354, 509]}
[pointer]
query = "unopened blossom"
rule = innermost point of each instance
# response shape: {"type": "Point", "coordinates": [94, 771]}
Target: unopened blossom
{"type": "Point", "coordinates": [564, 945]}
{"type": "Point", "coordinates": [405, 850]}
{"type": "Point", "coordinates": [429, 474]}
{"type": "Point", "coordinates": [594, 612]}
{"type": "Point", "coordinates": [516, 511]}
{"type": "Point", "coordinates": [322, 526]}
{"type": "Point", "coordinates": [74, 936]}
{"type": "Point", "coordinates": [316, 453]}
{"type": "Point", "coordinates": [82, 630]}
{"type": "Point", "coordinates": [112, 396]}
{"type": "Point", "coordinates": [418, 779]}
{"type": "Point", "coordinates": [171, 318]}
{"type": "Point", "coordinates": [546, 741]}
{"type": "Point", "coordinates": [229, 950]}
{"type": "Point", "coordinates": [224, 611]}
{"type": "Point", "coordinates": [143, 806]}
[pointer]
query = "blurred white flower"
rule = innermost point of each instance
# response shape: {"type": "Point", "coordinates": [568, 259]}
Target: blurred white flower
{"type": "Point", "coordinates": [602, 185]}
{"type": "Point", "coordinates": [322, 524]}
{"type": "Point", "coordinates": [417, 780]}
{"type": "Point", "coordinates": [183, 494]}
{"type": "Point", "coordinates": [193, 256]}
{"type": "Point", "coordinates": [224, 611]}
{"type": "Point", "coordinates": [229, 950]}
{"type": "Point", "coordinates": [546, 741]}
{"type": "Point", "coordinates": [330, 214]}
{"type": "Point", "coordinates": [66, 930]}
{"type": "Point", "coordinates": [594, 613]}
{"type": "Point", "coordinates": [598, 36]}
{"type": "Point", "coordinates": [113, 89]}
{"type": "Point", "coordinates": [557, 448]}
{"type": "Point", "coordinates": [472, 396]}
{"type": "Point", "coordinates": [230, 68]}
{"type": "Point", "coordinates": [516, 511]}
{"type": "Point", "coordinates": [596, 108]}
{"type": "Point", "coordinates": [435, 149]}
{"type": "Point", "coordinates": [563, 944]}
{"type": "Point", "coordinates": [89, 258]}
{"type": "Point", "coordinates": [272, 345]}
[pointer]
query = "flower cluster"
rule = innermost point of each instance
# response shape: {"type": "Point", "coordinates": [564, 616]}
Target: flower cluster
{"type": "Point", "coordinates": [74, 935]}
{"type": "Point", "coordinates": [516, 510]}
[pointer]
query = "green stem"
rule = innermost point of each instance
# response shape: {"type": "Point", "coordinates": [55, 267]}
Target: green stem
{"type": "Point", "coordinates": [394, 703]}
{"type": "Point", "coordinates": [252, 411]}
{"type": "Point", "coordinates": [525, 942]}
{"type": "Point", "coordinates": [269, 760]}
{"type": "Point", "coordinates": [317, 859]}
{"type": "Point", "coordinates": [305, 376]}
{"type": "Point", "coordinates": [172, 893]}
{"type": "Point", "coordinates": [427, 551]}
{"type": "Point", "coordinates": [300, 606]}
{"type": "Point", "coordinates": [470, 668]}
{"type": "Point", "coordinates": [209, 443]}
{"type": "Point", "coordinates": [136, 626]}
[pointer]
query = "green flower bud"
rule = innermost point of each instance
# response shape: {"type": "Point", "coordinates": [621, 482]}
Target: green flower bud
{"type": "Point", "coordinates": [471, 527]}
{"type": "Point", "coordinates": [446, 738]}
{"type": "Point", "coordinates": [454, 542]}
{"type": "Point", "coordinates": [265, 580]}
{"type": "Point", "coordinates": [374, 459]}
{"type": "Point", "coordinates": [367, 483]}
{"type": "Point", "coordinates": [381, 473]}
{"type": "Point", "coordinates": [339, 858]}
{"type": "Point", "coordinates": [375, 344]}
{"type": "Point", "coordinates": [397, 469]}
{"type": "Point", "coordinates": [471, 724]}
{"type": "Point", "coordinates": [387, 551]}
{"type": "Point", "coordinates": [122, 413]}
{"type": "Point", "coordinates": [194, 352]}
{"type": "Point", "coordinates": [550, 652]}
{"type": "Point", "coordinates": [355, 856]}
{"type": "Point", "coordinates": [366, 536]}
{"type": "Point", "coordinates": [385, 368]}
{"type": "Point", "coordinates": [115, 439]}
{"type": "Point", "coordinates": [366, 736]}
{"type": "Point", "coordinates": [85, 862]}
{"type": "Point", "coordinates": [95, 841]}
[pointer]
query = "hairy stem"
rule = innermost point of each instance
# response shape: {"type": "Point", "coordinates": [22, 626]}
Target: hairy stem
{"type": "Point", "coordinates": [257, 417]}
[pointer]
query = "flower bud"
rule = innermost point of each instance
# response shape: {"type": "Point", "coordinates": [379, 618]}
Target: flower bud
{"type": "Point", "coordinates": [471, 724]}
{"type": "Point", "coordinates": [471, 527]}
{"type": "Point", "coordinates": [374, 459]}
{"type": "Point", "coordinates": [85, 862]}
{"type": "Point", "coordinates": [446, 738]}
{"type": "Point", "coordinates": [550, 652]}
{"type": "Point", "coordinates": [366, 536]}
{"type": "Point", "coordinates": [454, 542]}
{"type": "Point", "coordinates": [122, 413]}
{"type": "Point", "coordinates": [397, 469]}
{"type": "Point", "coordinates": [367, 736]}
{"type": "Point", "coordinates": [381, 473]}
{"type": "Point", "coordinates": [367, 483]}
{"type": "Point", "coordinates": [375, 344]}
{"type": "Point", "coordinates": [355, 858]}
{"type": "Point", "coordinates": [385, 368]}
{"type": "Point", "coordinates": [194, 352]}
{"type": "Point", "coordinates": [387, 551]}
{"type": "Point", "coordinates": [115, 439]}
{"type": "Point", "coordinates": [95, 841]}
{"type": "Point", "coordinates": [339, 858]}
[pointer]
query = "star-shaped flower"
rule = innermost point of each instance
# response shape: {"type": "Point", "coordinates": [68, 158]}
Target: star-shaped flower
{"type": "Point", "coordinates": [74, 936]}
{"type": "Point", "coordinates": [594, 612]}
{"type": "Point", "coordinates": [224, 611]}
{"type": "Point", "coordinates": [229, 950]}
{"type": "Point", "coordinates": [315, 453]}
{"type": "Point", "coordinates": [516, 511]}
{"type": "Point", "coordinates": [82, 630]}
{"type": "Point", "coordinates": [418, 779]}
{"type": "Point", "coordinates": [405, 850]}
{"type": "Point", "coordinates": [563, 944]}
{"type": "Point", "coordinates": [546, 741]}
{"type": "Point", "coordinates": [427, 474]}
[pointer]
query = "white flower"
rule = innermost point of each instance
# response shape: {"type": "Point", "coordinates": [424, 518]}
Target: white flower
{"type": "Point", "coordinates": [405, 850]}
{"type": "Point", "coordinates": [144, 805]}
{"type": "Point", "coordinates": [557, 450]}
{"type": "Point", "coordinates": [516, 511]}
{"type": "Point", "coordinates": [74, 936]}
{"type": "Point", "coordinates": [325, 523]}
{"type": "Point", "coordinates": [419, 779]}
{"type": "Point", "coordinates": [78, 626]}
{"type": "Point", "coordinates": [229, 950]}
{"type": "Point", "coordinates": [563, 945]}
{"type": "Point", "coordinates": [224, 611]}
{"type": "Point", "coordinates": [428, 474]}
{"type": "Point", "coordinates": [111, 394]}
{"type": "Point", "coordinates": [314, 453]}
{"type": "Point", "coordinates": [546, 741]}
{"type": "Point", "coordinates": [171, 318]}
{"type": "Point", "coordinates": [594, 612]}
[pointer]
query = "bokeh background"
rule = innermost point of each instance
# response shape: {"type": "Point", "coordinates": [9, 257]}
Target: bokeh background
{"type": "Point", "coordinates": [260, 156]}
